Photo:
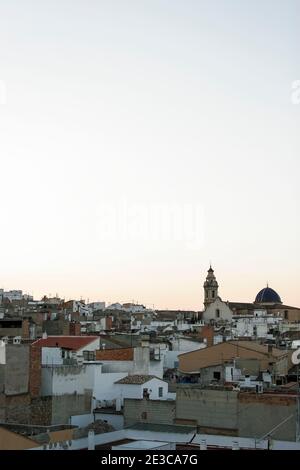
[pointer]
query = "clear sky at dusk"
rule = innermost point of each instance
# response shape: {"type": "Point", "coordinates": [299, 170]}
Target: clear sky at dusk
{"type": "Point", "coordinates": [119, 119]}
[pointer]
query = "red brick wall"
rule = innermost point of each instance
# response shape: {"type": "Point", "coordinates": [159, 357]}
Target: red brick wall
{"type": "Point", "coordinates": [208, 332]}
{"type": "Point", "coordinates": [75, 315]}
{"type": "Point", "coordinates": [122, 354]}
{"type": "Point", "coordinates": [75, 329]}
{"type": "Point", "coordinates": [109, 323]}
{"type": "Point", "coordinates": [35, 371]}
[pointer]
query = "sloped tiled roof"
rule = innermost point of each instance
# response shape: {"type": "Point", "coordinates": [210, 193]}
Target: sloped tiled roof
{"type": "Point", "coordinates": [193, 361]}
{"type": "Point", "coordinates": [67, 342]}
{"type": "Point", "coordinates": [136, 379]}
{"type": "Point", "coordinates": [120, 354]}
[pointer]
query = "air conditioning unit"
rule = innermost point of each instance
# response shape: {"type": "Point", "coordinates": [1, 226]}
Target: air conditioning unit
{"type": "Point", "coordinates": [17, 340]}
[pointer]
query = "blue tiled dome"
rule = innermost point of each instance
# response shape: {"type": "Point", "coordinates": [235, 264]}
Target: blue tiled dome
{"type": "Point", "coordinates": [267, 295]}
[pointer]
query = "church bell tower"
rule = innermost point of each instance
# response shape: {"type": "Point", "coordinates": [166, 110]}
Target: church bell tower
{"type": "Point", "coordinates": [210, 288]}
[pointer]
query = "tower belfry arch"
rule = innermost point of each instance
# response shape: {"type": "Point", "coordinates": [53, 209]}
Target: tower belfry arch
{"type": "Point", "coordinates": [211, 287]}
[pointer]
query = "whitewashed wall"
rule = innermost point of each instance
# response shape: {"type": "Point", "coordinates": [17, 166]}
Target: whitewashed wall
{"type": "Point", "coordinates": [185, 345]}
{"type": "Point", "coordinates": [82, 420]}
{"type": "Point", "coordinates": [52, 356]}
{"type": "Point", "coordinates": [170, 358]}
{"type": "Point", "coordinates": [156, 368]}
{"type": "Point", "coordinates": [104, 386]}
{"type": "Point", "coordinates": [136, 391]}
{"type": "Point", "coordinates": [60, 380]}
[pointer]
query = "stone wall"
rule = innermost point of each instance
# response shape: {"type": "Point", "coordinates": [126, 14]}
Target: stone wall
{"type": "Point", "coordinates": [148, 411]}
{"type": "Point", "coordinates": [16, 369]}
{"type": "Point", "coordinates": [261, 413]}
{"type": "Point", "coordinates": [209, 408]}
{"type": "Point", "coordinates": [64, 406]}
{"type": "Point", "coordinates": [41, 411]}
{"type": "Point", "coordinates": [17, 408]}
{"type": "Point", "coordinates": [56, 327]}
{"type": "Point", "coordinates": [244, 414]}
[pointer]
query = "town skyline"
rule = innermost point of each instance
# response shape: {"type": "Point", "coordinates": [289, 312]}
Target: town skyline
{"type": "Point", "coordinates": [171, 305]}
{"type": "Point", "coordinates": [138, 143]}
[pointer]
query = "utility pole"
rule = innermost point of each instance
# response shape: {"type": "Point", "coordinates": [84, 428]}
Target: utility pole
{"type": "Point", "coordinates": [298, 408]}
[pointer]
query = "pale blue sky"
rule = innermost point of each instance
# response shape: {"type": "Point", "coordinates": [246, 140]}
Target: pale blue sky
{"type": "Point", "coordinates": [152, 103]}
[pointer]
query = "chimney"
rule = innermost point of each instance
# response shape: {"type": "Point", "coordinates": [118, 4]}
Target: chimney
{"type": "Point", "coordinates": [91, 440]}
{"type": "Point", "coordinates": [235, 445]}
{"type": "Point", "coordinates": [144, 340]}
{"type": "Point", "coordinates": [118, 404]}
{"type": "Point", "coordinates": [203, 445]}
{"type": "Point", "coordinates": [45, 336]}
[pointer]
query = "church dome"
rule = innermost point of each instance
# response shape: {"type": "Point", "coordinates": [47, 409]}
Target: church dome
{"type": "Point", "coordinates": [268, 296]}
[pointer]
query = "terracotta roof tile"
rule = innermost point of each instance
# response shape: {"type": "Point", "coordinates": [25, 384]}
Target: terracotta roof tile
{"type": "Point", "coordinates": [68, 342]}
{"type": "Point", "coordinates": [120, 354]}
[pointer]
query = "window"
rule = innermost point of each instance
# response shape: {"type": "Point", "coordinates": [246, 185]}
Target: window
{"type": "Point", "coordinates": [89, 355]}
{"type": "Point", "coordinates": [145, 393]}
{"type": "Point", "coordinates": [217, 313]}
{"type": "Point", "coordinates": [213, 294]}
{"type": "Point", "coordinates": [286, 314]}
{"type": "Point", "coordinates": [85, 355]}
{"type": "Point", "coordinates": [217, 375]}
{"type": "Point", "coordinates": [144, 415]}
{"type": "Point", "coordinates": [160, 391]}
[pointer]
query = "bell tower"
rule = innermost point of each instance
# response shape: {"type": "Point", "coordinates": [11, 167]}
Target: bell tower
{"type": "Point", "coordinates": [210, 288]}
